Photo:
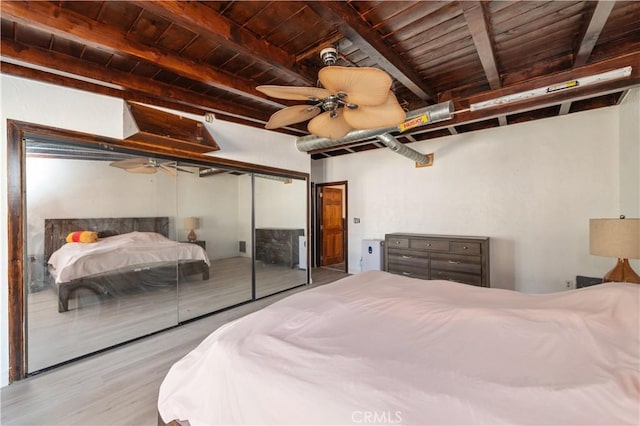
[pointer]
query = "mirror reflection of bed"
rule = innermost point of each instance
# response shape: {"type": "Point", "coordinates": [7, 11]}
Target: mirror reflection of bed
{"type": "Point", "coordinates": [120, 307]}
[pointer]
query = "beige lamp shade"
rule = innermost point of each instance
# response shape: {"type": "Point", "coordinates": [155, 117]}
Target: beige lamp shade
{"type": "Point", "coordinates": [615, 238]}
{"type": "Point", "coordinates": [191, 223]}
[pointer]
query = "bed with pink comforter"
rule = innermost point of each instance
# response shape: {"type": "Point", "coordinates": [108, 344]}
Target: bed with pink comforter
{"type": "Point", "coordinates": [376, 348]}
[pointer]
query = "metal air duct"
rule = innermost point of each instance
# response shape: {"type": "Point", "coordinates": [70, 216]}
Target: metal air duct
{"type": "Point", "coordinates": [431, 114]}
{"type": "Point", "coordinates": [397, 147]}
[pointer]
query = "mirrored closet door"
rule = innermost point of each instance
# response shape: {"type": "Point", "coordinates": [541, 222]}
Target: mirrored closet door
{"type": "Point", "coordinates": [90, 223]}
{"type": "Point", "coordinates": [280, 205]}
{"type": "Point", "coordinates": [120, 245]}
{"type": "Point", "coordinates": [214, 210]}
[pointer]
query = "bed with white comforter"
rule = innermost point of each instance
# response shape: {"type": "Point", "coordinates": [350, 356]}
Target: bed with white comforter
{"type": "Point", "coordinates": [377, 348]}
{"type": "Point", "coordinates": [78, 260]}
{"type": "Point", "coordinates": [134, 261]}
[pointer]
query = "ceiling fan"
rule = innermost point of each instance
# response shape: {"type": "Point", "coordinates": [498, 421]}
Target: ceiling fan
{"type": "Point", "coordinates": [147, 166]}
{"type": "Point", "coordinates": [348, 99]}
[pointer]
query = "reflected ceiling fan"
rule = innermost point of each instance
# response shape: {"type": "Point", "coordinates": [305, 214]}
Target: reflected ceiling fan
{"type": "Point", "coordinates": [148, 166]}
{"type": "Point", "coordinates": [348, 99]}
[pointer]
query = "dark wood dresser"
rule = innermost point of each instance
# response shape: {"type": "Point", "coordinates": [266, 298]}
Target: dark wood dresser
{"type": "Point", "coordinates": [438, 257]}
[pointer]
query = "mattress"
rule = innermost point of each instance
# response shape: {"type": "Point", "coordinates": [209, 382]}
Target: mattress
{"type": "Point", "coordinates": [376, 348]}
{"type": "Point", "coordinates": [77, 260]}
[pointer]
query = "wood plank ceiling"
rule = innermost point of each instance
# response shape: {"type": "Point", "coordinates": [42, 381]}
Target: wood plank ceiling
{"type": "Point", "coordinates": [201, 57]}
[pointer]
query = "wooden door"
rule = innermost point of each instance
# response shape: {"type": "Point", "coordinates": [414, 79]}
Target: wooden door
{"type": "Point", "coordinates": [332, 226]}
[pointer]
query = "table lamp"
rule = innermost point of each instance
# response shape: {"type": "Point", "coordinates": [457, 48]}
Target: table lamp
{"type": "Point", "coordinates": [191, 223]}
{"type": "Point", "coordinates": [616, 238]}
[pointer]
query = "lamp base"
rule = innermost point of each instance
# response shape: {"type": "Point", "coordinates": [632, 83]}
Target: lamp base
{"type": "Point", "coordinates": [192, 236]}
{"type": "Point", "coordinates": [622, 272]}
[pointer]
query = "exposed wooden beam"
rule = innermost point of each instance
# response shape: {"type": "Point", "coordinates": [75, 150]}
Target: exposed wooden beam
{"type": "Point", "coordinates": [225, 32]}
{"type": "Point", "coordinates": [580, 93]}
{"type": "Point", "coordinates": [135, 88]}
{"type": "Point", "coordinates": [592, 31]}
{"type": "Point", "coordinates": [575, 73]}
{"type": "Point", "coordinates": [349, 23]}
{"type": "Point", "coordinates": [73, 26]}
{"type": "Point", "coordinates": [477, 22]}
{"type": "Point", "coordinates": [318, 46]}
{"type": "Point", "coordinates": [16, 70]}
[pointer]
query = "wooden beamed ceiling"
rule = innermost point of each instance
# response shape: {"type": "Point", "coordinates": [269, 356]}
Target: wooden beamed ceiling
{"type": "Point", "coordinates": [201, 57]}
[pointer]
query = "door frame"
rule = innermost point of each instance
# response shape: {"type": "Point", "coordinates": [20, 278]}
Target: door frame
{"type": "Point", "coordinates": [317, 221]}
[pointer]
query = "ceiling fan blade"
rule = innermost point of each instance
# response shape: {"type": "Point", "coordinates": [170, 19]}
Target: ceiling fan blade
{"type": "Point", "coordinates": [292, 115]}
{"type": "Point", "coordinates": [183, 170]}
{"type": "Point", "coordinates": [294, 93]}
{"type": "Point", "coordinates": [130, 162]}
{"type": "Point", "coordinates": [363, 86]}
{"type": "Point", "coordinates": [142, 169]}
{"type": "Point", "coordinates": [168, 170]}
{"type": "Point", "coordinates": [372, 117]}
{"type": "Point", "coordinates": [329, 127]}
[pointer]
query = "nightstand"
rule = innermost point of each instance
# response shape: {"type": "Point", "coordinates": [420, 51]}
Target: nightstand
{"type": "Point", "coordinates": [201, 243]}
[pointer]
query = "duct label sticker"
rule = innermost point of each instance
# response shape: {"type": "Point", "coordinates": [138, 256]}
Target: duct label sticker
{"type": "Point", "coordinates": [414, 122]}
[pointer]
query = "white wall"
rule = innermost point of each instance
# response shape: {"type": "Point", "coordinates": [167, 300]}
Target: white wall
{"type": "Point", "coordinates": [630, 155]}
{"type": "Point", "coordinates": [530, 187]}
{"type": "Point", "coordinates": [50, 105]}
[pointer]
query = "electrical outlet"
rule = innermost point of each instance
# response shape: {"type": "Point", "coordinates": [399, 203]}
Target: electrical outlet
{"type": "Point", "coordinates": [568, 284]}
{"type": "Point", "coordinates": [356, 220]}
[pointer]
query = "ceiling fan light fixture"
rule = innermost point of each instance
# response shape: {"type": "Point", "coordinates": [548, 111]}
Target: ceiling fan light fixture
{"type": "Point", "coordinates": [348, 99]}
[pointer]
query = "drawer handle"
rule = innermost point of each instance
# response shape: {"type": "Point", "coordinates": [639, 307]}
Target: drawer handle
{"type": "Point", "coordinates": [464, 247]}
{"type": "Point", "coordinates": [404, 256]}
{"type": "Point", "coordinates": [455, 262]}
{"type": "Point", "coordinates": [428, 244]}
{"type": "Point", "coordinates": [407, 273]}
{"type": "Point", "coordinates": [397, 242]}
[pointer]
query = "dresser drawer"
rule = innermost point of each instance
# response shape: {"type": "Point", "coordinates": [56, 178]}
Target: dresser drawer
{"type": "Point", "coordinates": [456, 266]}
{"type": "Point", "coordinates": [465, 248]}
{"type": "Point", "coordinates": [457, 258]}
{"type": "Point", "coordinates": [435, 245]}
{"type": "Point", "coordinates": [413, 271]}
{"type": "Point", "coordinates": [460, 277]}
{"type": "Point", "coordinates": [408, 255]}
{"type": "Point", "coordinates": [397, 243]}
{"type": "Point", "coordinates": [408, 261]}
{"type": "Point", "coordinates": [456, 263]}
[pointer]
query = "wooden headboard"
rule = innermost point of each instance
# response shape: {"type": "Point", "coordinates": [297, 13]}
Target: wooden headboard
{"type": "Point", "coordinates": [56, 230]}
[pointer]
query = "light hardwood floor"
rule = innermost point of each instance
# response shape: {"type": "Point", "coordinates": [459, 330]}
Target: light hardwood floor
{"type": "Point", "coordinates": [119, 386]}
{"type": "Point", "coordinates": [94, 322]}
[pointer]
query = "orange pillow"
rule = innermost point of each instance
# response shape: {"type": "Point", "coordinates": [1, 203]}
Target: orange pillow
{"type": "Point", "coordinates": [82, 237]}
